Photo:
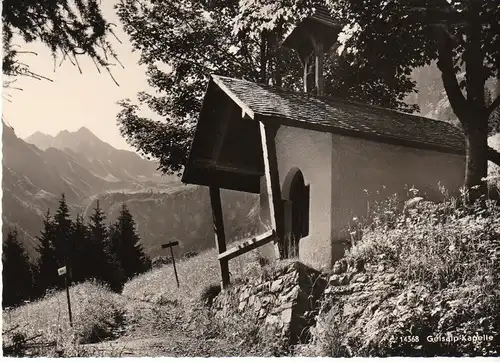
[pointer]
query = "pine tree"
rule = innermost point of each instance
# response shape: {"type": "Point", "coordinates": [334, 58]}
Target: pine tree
{"type": "Point", "coordinates": [47, 265]}
{"type": "Point", "coordinates": [17, 272]}
{"type": "Point", "coordinates": [95, 256]}
{"type": "Point", "coordinates": [79, 252]}
{"type": "Point", "coordinates": [105, 264]}
{"type": "Point", "coordinates": [125, 242]}
{"type": "Point", "coordinates": [62, 236]}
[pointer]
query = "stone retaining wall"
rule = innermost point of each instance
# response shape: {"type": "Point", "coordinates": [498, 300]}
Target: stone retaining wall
{"type": "Point", "coordinates": [283, 298]}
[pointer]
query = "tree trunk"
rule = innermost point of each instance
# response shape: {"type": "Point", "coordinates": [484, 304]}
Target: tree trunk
{"type": "Point", "coordinates": [263, 58]}
{"type": "Point", "coordinates": [476, 169]}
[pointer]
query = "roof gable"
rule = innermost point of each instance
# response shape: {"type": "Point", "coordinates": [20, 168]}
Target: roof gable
{"type": "Point", "coordinates": [337, 115]}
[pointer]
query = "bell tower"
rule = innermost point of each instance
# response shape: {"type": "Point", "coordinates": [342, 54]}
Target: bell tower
{"type": "Point", "coordinates": [311, 39]}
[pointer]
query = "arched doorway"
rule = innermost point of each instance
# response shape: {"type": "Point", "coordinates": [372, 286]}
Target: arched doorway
{"type": "Point", "coordinates": [295, 196]}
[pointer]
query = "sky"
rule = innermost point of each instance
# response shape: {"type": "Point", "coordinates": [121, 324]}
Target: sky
{"type": "Point", "coordinates": [74, 100]}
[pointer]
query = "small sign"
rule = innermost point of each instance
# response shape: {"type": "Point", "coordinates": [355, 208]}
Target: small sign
{"type": "Point", "coordinates": [170, 244]}
{"type": "Point", "coordinates": [61, 271]}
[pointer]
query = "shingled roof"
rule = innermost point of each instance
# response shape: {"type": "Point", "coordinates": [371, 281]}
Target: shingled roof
{"type": "Point", "coordinates": [337, 115]}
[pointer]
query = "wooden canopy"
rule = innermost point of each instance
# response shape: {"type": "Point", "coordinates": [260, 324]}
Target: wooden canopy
{"type": "Point", "coordinates": [319, 27]}
{"type": "Point", "coordinates": [226, 151]}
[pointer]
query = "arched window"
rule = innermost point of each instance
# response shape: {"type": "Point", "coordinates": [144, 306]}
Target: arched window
{"type": "Point", "coordinates": [296, 196]}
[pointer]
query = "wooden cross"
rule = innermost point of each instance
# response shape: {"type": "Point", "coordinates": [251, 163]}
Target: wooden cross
{"type": "Point", "coordinates": [170, 245]}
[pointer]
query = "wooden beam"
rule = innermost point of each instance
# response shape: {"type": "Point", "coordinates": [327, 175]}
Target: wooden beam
{"type": "Point", "coordinates": [319, 56]}
{"type": "Point", "coordinates": [248, 245]}
{"type": "Point", "coordinates": [213, 166]}
{"type": "Point", "coordinates": [220, 236]}
{"type": "Point", "coordinates": [222, 133]}
{"type": "Point", "coordinates": [268, 134]}
{"type": "Point", "coordinates": [217, 80]}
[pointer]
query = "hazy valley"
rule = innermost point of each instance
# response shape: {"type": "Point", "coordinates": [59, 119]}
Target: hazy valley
{"type": "Point", "coordinates": [36, 171]}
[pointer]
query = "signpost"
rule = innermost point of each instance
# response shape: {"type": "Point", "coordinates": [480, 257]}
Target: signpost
{"type": "Point", "coordinates": [170, 245]}
{"type": "Point", "coordinates": [62, 271]}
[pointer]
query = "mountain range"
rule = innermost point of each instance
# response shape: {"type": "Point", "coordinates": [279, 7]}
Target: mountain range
{"type": "Point", "coordinates": [39, 169]}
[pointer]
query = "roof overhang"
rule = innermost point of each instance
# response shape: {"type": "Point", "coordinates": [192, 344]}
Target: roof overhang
{"type": "Point", "coordinates": [318, 27]}
{"type": "Point", "coordinates": [226, 148]}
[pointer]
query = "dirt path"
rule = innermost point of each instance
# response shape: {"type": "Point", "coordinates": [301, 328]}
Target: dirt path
{"type": "Point", "coordinates": [152, 331]}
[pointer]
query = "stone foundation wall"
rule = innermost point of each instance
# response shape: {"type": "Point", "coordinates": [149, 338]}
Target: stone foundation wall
{"type": "Point", "coordinates": [283, 298]}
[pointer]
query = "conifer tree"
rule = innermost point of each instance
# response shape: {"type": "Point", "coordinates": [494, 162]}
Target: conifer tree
{"type": "Point", "coordinates": [47, 264]}
{"type": "Point", "coordinates": [62, 235]}
{"type": "Point", "coordinates": [79, 252]}
{"type": "Point", "coordinates": [105, 264]}
{"type": "Point", "coordinates": [17, 272]}
{"type": "Point", "coordinates": [95, 255]}
{"type": "Point", "coordinates": [125, 242]}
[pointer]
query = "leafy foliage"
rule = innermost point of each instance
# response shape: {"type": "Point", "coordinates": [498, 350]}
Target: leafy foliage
{"type": "Point", "coordinates": [68, 27]}
{"type": "Point", "coordinates": [494, 119]}
{"type": "Point", "coordinates": [429, 271]}
{"type": "Point", "coordinates": [16, 272]}
{"type": "Point", "coordinates": [193, 39]}
{"type": "Point", "coordinates": [462, 36]}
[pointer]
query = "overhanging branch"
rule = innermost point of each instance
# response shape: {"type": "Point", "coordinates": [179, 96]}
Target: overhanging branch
{"type": "Point", "coordinates": [493, 156]}
{"type": "Point", "coordinates": [493, 106]}
{"type": "Point", "coordinates": [450, 82]}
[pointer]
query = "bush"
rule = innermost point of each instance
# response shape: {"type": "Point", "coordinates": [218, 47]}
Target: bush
{"type": "Point", "coordinates": [443, 261]}
{"type": "Point", "coordinates": [209, 294]}
{"type": "Point", "coordinates": [98, 315]}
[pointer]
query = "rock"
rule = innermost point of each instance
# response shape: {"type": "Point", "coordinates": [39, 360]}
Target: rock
{"type": "Point", "coordinates": [251, 300]}
{"type": "Point", "coordinates": [262, 313]}
{"type": "Point", "coordinates": [412, 202]}
{"type": "Point", "coordinates": [276, 286]}
{"type": "Point", "coordinates": [257, 304]}
{"type": "Point", "coordinates": [242, 306]}
{"type": "Point", "coordinates": [272, 319]}
{"type": "Point", "coordinates": [244, 295]}
{"type": "Point", "coordinates": [286, 316]}
{"type": "Point", "coordinates": [360, 278]}
{"type": "Point", "coordinates": [339, 267]}
{"type": "Point", "coordinates": [360, 266]}
{"type": "Point", "coordinates": [334, 280]}
{"type": "Point", "coordinates": [344, 280]}
{"type": "Point", "coordinates": [293, 294]}
{"type": "Point", "coordinates": [381, 268]}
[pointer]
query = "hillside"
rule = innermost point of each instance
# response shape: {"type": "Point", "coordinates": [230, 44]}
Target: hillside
{"type": "Point", "coordinates": [85, 169]}
{"type": "Point", "coordinates": [182, 213]}
{"type": "Point", "coordinates": [407, 287]}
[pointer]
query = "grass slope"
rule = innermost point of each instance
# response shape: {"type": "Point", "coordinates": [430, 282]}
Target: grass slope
{"type": "Point", "coordinates": [424, 282]}
{"type": "Point", "coordinates": [97, 313]}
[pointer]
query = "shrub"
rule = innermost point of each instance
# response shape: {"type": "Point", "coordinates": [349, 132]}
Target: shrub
{"type": "Point", "coordinates": [98, 314]}
{"type": "Point", "coordinates": [443, 260]}
{"type": "Point", "coordinates": [209, 293]}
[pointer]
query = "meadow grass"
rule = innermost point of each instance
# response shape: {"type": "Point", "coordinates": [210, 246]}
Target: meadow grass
{"type": "Point", "coordinates": [97, 315]}
{"type": "Point", "coordinates": [443, 261]}
{"type": "Point", "coordinates": [195, 274]}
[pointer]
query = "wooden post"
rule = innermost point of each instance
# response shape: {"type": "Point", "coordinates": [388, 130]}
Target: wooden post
{"type": "Point", "coordinates": [306, 72]}
{"type": "Point", "coordinates": [268, 135]}
{"type": "Point", "coordinates": [220, 236]}
{"type": "Point", "coordinates": [171, 245]}
{"type": "Point", "coordinates": [62, 271]}
{"type": "Point", "coordinates": [319, 76]}
{"type": "Point", "coordinates": [69, 302]}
